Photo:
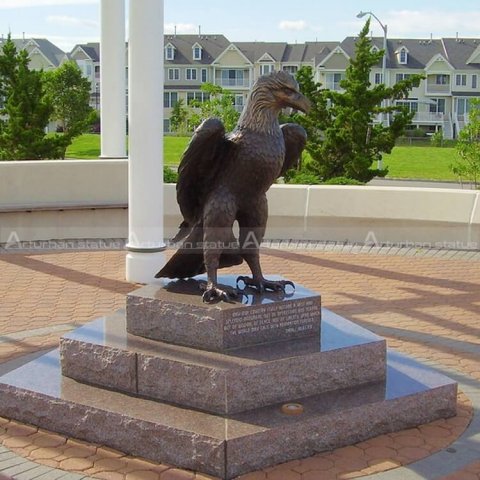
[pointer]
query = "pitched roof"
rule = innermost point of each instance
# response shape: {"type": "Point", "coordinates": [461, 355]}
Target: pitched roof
{"type": "Point", "coordinates": [255, 50]}
{"type": "Point", "coordinates": [54, 54]}
{"type": "Point", "coordinates": [212, 46]}
{"type": "Point", "coordinates": [50, 51]}
{"type": "Point", "coordinates": [317, 51]}
{"type": "Point", "coordinates": [459, 51]}
{"type": "Point", "coordinates": [420, 52]}
{"type": "Point", "coordinates": [92, 50]}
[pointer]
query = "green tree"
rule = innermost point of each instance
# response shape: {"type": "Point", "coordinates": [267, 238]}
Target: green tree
{"type": "Point", "coordinates": [220, 105]}
{"type": "Point", "coordinates": [468, 147]}
{"type": "Point", "coordinates": [179, 118]}
{"type": "Point", "coordinates": [344, 139]}
{"type": "Point", "coordinates": [26, 111]}
{"type": "Point", "coordinates": [69, 94]}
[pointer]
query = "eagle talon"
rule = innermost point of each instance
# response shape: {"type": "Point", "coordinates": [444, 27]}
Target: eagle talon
{"type": "Point", "coordinates": [263, 285]}
{"type": "Point", "coordinates": [214, 294]}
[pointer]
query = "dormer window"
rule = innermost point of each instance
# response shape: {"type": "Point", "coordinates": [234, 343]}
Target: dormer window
{"type": "Point", "coordinates": [197, 52]}
{"type": "Point", "coordinates": [403, 56]}
{"type": "Point", "coordinates": [169, 52]}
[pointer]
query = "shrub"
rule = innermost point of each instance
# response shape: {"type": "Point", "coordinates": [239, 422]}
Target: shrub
{"type": "Point", "coordinates": [169, 175]}
{"type": "Point", "coordinates": [301, 177]}
{"type": "Point", "coordinates": [342, 181]}
{"type": "Point", "coordinates": [436, 139]}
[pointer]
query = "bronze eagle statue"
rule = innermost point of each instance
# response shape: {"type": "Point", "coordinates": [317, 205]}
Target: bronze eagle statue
{"type": "Point", "coordinates": [224, 178]}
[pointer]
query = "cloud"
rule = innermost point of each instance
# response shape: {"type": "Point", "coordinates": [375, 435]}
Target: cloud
{"type": "Point", "coordinates": [440, 23]}
{"type": "Point", "coordinates": [297, 25]}
{"type": "Point", "coordinates": [181, 28]}
{"type": "Point", "coordinates": [66, 21]}
{"type": "Point", "coordinates": [7, 4]}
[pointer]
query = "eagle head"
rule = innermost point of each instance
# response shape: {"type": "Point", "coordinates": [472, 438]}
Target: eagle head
{"type": "Point", "coordinates": [280, 90]}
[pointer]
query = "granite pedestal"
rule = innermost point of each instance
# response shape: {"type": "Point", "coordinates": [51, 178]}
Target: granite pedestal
{"type": "Point", "coordinates": [214, 402]}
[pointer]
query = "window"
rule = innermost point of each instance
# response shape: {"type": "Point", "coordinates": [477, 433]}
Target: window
{"type": "Point", "coordinates": [378, 78]}
{"type": "Point", "coordinates": [204, 74]}
{"type": "Point", "coordinates": [197, 96]}
{"type": "Point", "coordinates": [462, 106]}
{"type": "Point", "coordinates": [266, 68]}
{"type": "Point", "coordinates": [88, 70]}
{"type": "Point", "coordinates": [412, 105]}
{"type": "Point", "coordinates": [333, 80]}
{"type": "Point", "coordinates": [97, 71]}
{"type": "Point", "coordinates": [401, 76]}
{"type": "Point", "coordinates": [191, 74]}
{"type": "Point", "coordinates": [197, 52]}
{"type": "Point", "coordinates": [170, 99]}
{"type": "Point", "coordinates": [174, 74]}
{"type": "Point", "coordinates": [232, 78]}
{"type": "Point", "coordinates": [403, 56]}
{"type": "Point", "coordinates": [169, 52]}
{"type": "Point", "coordinates": [460, 79]}
{"type": "Point", "coordinates": [474, 80]}
{"type": "Point", "coordinates": [166, 125]}
{"type": "Point", "coordinates": [238, 102]}
{"type": "Point", "coordinates": [291, 69]}
{"type": "Point", "coordinates": [438, 106]}
{"type": "Point", "coordinates": [441, 79]}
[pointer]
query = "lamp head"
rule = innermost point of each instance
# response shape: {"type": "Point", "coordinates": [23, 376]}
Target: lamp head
{"type": "Point", "coordinates": [361, 14]}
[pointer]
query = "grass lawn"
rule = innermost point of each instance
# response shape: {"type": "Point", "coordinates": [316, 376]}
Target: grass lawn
{"type": "Point", "coordinates": [87, 146]}
{"type": "Point", "coordinates": [425, 162]}
{"type": "Point", "coordinates": [429, 163]}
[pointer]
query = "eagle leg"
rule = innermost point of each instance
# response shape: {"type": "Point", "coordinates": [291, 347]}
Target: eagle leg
{"type": "Point", "coordinates": [262, 284]}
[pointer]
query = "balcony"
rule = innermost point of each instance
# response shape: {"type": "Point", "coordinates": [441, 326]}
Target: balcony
{"type": "Point", "coordinates": [233, 78]}
{"type": "Point", "coordinates": [429, 117]}
{"type": "Point", "coordinates": [438, 85]}
{"type": "Point", "coordinates": [233, 82]}
{"type": "Point", "coordinates": [329, 85]}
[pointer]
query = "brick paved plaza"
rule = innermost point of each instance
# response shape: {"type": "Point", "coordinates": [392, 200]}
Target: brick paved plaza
{"type": "Point", "coordinates": [426, 303]}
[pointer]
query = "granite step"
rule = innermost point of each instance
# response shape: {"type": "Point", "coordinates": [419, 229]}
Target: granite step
{"type": "Point", "coordinates": [174, 312]}
{"type": "Point", "coordinates": [102, 353]}
{"type": "Point", "coordinates": [226, 445]}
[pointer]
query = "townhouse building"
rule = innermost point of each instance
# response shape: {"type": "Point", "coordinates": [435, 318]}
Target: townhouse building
{"type": "Point", "coordinates": [43, 54]}
{"type": "Point", "coordinates": [451, 67]}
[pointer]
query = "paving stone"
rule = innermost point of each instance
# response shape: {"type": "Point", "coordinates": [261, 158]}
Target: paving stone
{"type": "Point", "coordinates": [20, 468]}
{"type": "Point", "coordinates": [11, 462]}
{"type": "Point", "coordinates": [389, 272]}
{"type": "Point", "coordinates": [34, 473]}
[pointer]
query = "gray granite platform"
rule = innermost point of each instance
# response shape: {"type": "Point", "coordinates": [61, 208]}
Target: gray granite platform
{"type": "Point", "coordinates": [212, 399]}
{"type": "Point", "coordinates": [176, 313]}
{"type": "Point", "coordinates": [226, 446]}
{"type": "Point", "coordinates": [103, 353]}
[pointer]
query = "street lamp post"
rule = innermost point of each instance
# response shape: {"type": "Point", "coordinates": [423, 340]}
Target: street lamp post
{"type": "Point", "coordinates": [384, 66]}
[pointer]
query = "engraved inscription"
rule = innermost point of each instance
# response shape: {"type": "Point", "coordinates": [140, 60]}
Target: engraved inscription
{"type": "Point", "coordinates": [292, 317]}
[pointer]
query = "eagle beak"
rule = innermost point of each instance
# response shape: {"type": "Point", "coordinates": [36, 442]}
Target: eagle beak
{"type": "Point", "coordinates": [300, 102]}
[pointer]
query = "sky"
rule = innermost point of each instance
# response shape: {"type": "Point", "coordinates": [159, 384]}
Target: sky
{"type": "Point", "coordinates": [68, 22]}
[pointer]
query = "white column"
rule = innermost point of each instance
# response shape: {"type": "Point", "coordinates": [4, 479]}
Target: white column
{"type": "Point", "coordinates": [113, 82]}
{"type": "Point", "coordinates": [145, 131]}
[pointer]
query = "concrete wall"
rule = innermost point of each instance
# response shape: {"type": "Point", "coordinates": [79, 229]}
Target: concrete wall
{"type": "Point", "coordinates": [88, 199]}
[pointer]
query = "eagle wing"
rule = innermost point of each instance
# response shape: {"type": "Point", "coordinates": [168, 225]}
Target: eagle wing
{"type": "Point", "coordinates": [295, 138]}
{"type": "Point", "coordinates": [199, 168]}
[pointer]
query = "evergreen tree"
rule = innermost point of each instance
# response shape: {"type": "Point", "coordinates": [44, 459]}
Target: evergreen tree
{"type": "Point", "coordinates": [347, 140]}
{"type": "Point", "coordinates": [468, 147]}
{"type": "Point", "coordinates": [25, 112]}
{"type": "Point", "coordinates": [69, 94]}
{"type": "Point", "coordinates": [220, 105]}
{"type": "Point", "coordinates": [179, 118]}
